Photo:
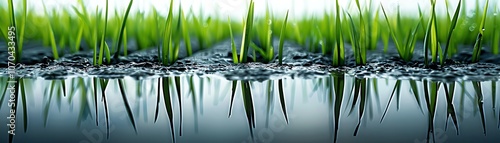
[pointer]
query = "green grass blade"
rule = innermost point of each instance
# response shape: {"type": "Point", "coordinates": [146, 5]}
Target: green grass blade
{"type": "Point", "coordinates": [127, 105]}
{"type": "Point", "coordinates": [13, 24]}
{"type": "Point", "coordinates": [452, 28]}
{"type": "Point", "coordinates": [478, 45]}
{"type": "Point", "coordinates": [246, 40]}
{"type": "Point", "coordinates": [282, 39]}
{"type": "Point", "coordinates": [185, 34]}
{"type": "Point", "coordinates": [103, 40]}
{"type": "Point", "coordinates": [233, 46]}
{"type": "Point", "coordinates": [51, 36]}
{"type": "Point", "coordinates": [122, 29]}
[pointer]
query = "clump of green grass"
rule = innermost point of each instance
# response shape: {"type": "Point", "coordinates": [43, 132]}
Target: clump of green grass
{"type": "Point", "coordinates": [362, 27]}
{"type": "Point", "coordinates": [403, 36]}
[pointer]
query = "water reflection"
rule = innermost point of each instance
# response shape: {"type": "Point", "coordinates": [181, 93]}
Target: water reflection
{"type": "Point", "coordinates": [337, 108]}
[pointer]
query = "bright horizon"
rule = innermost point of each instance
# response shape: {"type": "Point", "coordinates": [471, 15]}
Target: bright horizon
{"type": "Point", "coordinates": [237, 8]}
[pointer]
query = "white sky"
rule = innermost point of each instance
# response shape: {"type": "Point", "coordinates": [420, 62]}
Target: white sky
{"type": "Point", "coordinates": [237, 8]}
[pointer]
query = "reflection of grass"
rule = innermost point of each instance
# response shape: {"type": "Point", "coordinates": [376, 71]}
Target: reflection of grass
{"type": "Point", "coordinates": [330, 88]}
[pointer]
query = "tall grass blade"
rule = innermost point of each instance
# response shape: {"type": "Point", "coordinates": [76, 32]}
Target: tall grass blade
{"type": "Point", "coordinates": [233, 45]}
{"type": "Point", "coordinates": [13, 24]}
{"type": "Point", "coordinates": [478, 45]}
{"type": "Point", "coordinates": [127, 105]}
{"type": "Point", "coordinates": [246, 39]}
{"type": "Point", "coordinates": [51, 36]}
{"type": "Point", "coordinates": [282, 39]}
{"type": "Point", "coordinates": [451, 30]}
{"type": "Point", "coordinates": [103, 36]}
{"type": "Point", "coordinates": [122, 29]}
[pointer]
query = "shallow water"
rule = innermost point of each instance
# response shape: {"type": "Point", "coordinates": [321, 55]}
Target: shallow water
{"type": "Point", "coordinates": [321, 109]}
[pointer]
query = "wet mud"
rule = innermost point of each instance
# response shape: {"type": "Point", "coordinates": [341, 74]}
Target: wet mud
{"type": "Point", "coordinates": [38, 62]}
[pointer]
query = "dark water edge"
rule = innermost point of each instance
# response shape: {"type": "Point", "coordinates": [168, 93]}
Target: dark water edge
{"type": "Point", "coordinates": [320, 109]}
{"type": "Point", "coordinates": [298, 62]}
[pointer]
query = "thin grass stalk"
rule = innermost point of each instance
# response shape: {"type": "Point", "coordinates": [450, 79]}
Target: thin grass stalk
{"type": "Point", "coordinates": [51, 36]}
{"type": "Point", "coordinates": [101, 49]}
{"type": "Point", "coordinates": [233, 45]}
{"type": "Point", "coordinates": [451, 30]}
{"type": "Point", "coordinates": [246, 39]}
{"type": "Point", "coordinates": [167, 37]}
{"type": "Point", "coordinates": [339, 55]}
{"type": "Point", "coordinates": [282, 39]}
{"type": "Point", "coordinates": [19, 51]}
{"type": "Point", "coordinates": [122, 29]}
{"type": "Point", "coordinates": [478, 45]}
{"type": "Point", "coordinates": [13, 27]}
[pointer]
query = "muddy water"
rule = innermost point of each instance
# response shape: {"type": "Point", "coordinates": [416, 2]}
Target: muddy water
{"type": "Point", "coordinates": [322, 109]}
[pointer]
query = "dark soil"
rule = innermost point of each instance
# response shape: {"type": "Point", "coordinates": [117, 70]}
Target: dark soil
{"type": "Point", "coordinates": [37, 61]}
